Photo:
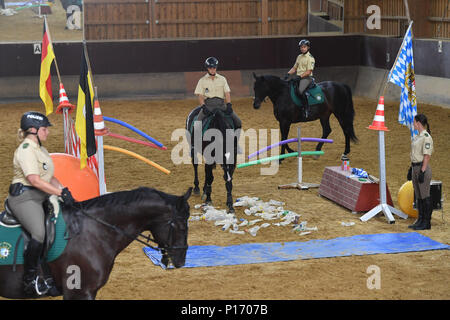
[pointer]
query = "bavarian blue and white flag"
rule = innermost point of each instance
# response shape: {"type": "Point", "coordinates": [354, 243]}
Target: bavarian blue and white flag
{"type": "Point", "coordinates": [402, 74]}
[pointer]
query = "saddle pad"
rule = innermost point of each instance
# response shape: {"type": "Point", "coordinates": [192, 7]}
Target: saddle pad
{"type": "Point", "coordinates": [315, 96]}
{"type": "Point", "coordinates": [8, 241]}
{"type": "Point", "coordinates": [249, 253]}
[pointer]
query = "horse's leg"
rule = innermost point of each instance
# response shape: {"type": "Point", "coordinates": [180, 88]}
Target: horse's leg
{"type": "Point", "coordinates": [207, 187]}
{"type": "Point", "coordinates": [326, 130]}
{"type": "Point", "coordinates": [196, 182]}
{"type": "Point", "coordinates": [284, 128]}
{"type": "Point", "coordinates": [228, 177]}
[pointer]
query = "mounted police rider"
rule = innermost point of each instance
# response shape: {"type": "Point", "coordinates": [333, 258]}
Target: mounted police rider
{"type": "Point", "coordinates": [303, 68]}
{"type": "Point", "coordinates": [32, 183]}
{"type": "Point", "coordinates": [213, 92]}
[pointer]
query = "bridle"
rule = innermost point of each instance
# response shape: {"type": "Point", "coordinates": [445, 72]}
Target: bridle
{"type": "Point", "coordinates": [148, 239]}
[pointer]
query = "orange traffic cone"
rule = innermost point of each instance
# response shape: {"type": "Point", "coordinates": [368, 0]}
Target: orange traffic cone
{"type": "Point", "coordinates": [378, 120]}
{"type": "Point", "coordinates": [64, 101]}
{"type": "Point", "coordinates": [99, 123]}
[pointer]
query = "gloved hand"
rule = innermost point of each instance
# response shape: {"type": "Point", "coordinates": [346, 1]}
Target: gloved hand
{"type": "Point", "coordinates": [286, 76]}
{"type": "Point", "coordinates": [409, 175]}
{"type": "Point", "coordinates": [229, 109]}
{"type": "Point", "coordinates": [67, 197]}
{"type": "Point", "coordinates": [421, 176]}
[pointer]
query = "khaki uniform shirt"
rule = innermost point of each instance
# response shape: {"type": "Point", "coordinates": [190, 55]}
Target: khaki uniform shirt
{"type": "Point", "coordinates": [304, 63]}
{"type": "Point", "coordinates": [421, 144]}
{"type": "Point", "coordinates": [210, 88]}
{"type": "Point", "coordinates": [29, 158]}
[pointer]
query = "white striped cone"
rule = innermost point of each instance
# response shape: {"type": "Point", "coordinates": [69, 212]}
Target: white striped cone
{"type": "Point", "coordinates": [99, 124]}
{"type": "Point", "coordinates": [378, 120]}
{"type": "Point", "coordinates": [63, 101]}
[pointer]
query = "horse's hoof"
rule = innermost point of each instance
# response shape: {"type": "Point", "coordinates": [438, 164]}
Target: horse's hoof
{"type": "Point", "coordinates": [231, 210]}
{"type": "Point", "coordinates": [316, 157]}
{"type": "Point", "coordinates": [196, 191]}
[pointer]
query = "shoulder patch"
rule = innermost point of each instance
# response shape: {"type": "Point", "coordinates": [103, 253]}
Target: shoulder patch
{"type": "Point", "coordinates": [25, 145]}
{"type": "Point", "coordinates": [427, 145]}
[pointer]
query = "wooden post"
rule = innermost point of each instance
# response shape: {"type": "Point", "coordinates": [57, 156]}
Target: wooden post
{"type": "Point", "coordinates": [265, 17]}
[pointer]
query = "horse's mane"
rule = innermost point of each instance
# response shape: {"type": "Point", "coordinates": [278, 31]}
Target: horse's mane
{"type": "Point", "coordinates": [127, 197]}
{"type": "Point", "coordinates": [275, 81]}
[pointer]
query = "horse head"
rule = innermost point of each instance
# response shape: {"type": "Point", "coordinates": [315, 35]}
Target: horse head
{"type": "Point", "coordinates": [171, 236]}
{"type": "Point", "coordinates": [261, 90]}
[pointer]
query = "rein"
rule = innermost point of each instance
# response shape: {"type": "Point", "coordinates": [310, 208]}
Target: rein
{"type": "Point", "coordinates": [134, 238]}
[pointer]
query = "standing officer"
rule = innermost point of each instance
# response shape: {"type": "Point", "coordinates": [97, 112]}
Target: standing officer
{"type": "Point", "coordinates": [420, 172]}
{"type": "Point", "coordinates": [303, 68]}
{"type": "Point", "coordinates": [213, 92]}
{"type": "Point", "coordinates": [32, 183]}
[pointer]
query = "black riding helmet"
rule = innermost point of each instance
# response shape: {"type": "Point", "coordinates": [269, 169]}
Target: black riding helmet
{"type": "Point", "coordinates": [211, 62]}
{"type": "Point", "coordinates": [33, 119]}
{"type": "Point", "coordinates": [304, 42]}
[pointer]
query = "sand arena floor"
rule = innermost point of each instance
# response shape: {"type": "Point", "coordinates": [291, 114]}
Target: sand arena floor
{"type": "Point", "coordinates": [417, 275]}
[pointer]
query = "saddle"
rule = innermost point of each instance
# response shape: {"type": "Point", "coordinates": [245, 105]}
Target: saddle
{"type": "Point", "coordinates": [313, 92]}
{"type": "Point", "coordinates": [12, 234]}
{"type": "Point", "coordinates": [209, 115]}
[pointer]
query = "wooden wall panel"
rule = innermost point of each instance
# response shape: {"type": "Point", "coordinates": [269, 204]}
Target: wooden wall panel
{"type": "Point", "coordinates": [142, 19]}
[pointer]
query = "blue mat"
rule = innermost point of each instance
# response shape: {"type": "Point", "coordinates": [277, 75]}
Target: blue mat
{"type": "Point", "coordinates": [209, 256]}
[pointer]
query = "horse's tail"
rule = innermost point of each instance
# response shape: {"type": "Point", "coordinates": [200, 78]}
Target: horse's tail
{"type": "Point", "coordinates": [348, 115]}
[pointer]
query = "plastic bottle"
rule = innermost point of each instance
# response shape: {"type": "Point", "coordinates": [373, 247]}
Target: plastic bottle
{"type": "Point", "coordinates": [253, 230]}
{"type": "Point", "coordinates": [276, 203]}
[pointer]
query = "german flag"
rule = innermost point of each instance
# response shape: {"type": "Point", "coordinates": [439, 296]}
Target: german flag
{"type": "Point", "coordinates": [84, 122]}
{"type": "Point", "coordinates": [45, 81]}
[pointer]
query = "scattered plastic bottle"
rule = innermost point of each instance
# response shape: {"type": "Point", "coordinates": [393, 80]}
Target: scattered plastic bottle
{"type": "Point", "coordinates": [347, 224]}
{"type": "Point", "coordinates": [253, 230]}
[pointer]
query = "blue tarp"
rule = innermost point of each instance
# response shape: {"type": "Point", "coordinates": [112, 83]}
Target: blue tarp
{"type": "Point", "coordinates": [247, 253]}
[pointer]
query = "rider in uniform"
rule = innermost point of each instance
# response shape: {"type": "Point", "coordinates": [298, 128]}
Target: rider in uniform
{"type": "Point", "coordinates": [32, 183]}
{"type": "Point", "coordinates": [420, 172]}
{"type": "Point", "coordinates": [213, 92]}
{"type": "Point", "coordinates": [303, 68]}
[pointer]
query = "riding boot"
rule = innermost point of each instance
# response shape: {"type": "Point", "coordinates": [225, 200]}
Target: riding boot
{"type": "Point", "coordinates": [427, 211]}
{"type": "Point", "coordinates": [48, 278]}
{"type": "Point", "coordinates": [305, 105]}
{"type": "Point", "coordinates": [420, 217]}
{"type": "Point", "coordinates": [33, 284]}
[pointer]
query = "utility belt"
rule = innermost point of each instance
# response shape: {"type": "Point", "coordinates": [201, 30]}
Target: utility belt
{"type": "Point", "coordinates": [416, 164]}
{"type": "Point", "coordinates": [18, 188]}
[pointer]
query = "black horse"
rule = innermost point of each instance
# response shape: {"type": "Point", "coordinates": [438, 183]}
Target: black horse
{"type": "Point", "coordinates": [107, 225]}
{"type": "Point", "coordinates": [222, 150]}
{"type": "Point", "coordinates": [338, 100]}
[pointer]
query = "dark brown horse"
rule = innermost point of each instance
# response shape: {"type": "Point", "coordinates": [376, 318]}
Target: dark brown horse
{"type": "Point", "coordinates": [219, 148]}
{"type": "Point", "coordinates": [338, 101]}
{"type": "Point", "coordinates": [107, 225]}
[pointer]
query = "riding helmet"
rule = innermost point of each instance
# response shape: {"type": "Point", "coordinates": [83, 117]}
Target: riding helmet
{"type": "Point", "coordinates": [211, 62]}
{"type": "Point", "coordinates": [33, 119]}
{"type": "Point", "coordinates": [304, 42]}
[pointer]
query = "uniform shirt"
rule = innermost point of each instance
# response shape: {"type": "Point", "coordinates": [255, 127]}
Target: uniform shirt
{"type": "Point", "coordinates": [304, 63]}
{"type": "Point", "coordinates": [30, 158]}
{"type": "Point", "coordinates": [210, 88]}
{"type": "Point", "coordinates": [421, 144]}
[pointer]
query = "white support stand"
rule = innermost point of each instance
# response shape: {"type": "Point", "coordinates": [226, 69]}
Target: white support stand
{"type": "Point", "coordinates": [299, 184]}
{"type": "Point", "coordinates": [383, 206]}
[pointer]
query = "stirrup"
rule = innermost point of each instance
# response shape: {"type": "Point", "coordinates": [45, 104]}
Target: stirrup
{"type": "Point", "coordinates": [37, 286]}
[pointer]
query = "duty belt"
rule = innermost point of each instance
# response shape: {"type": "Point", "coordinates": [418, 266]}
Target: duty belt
{"type": "Point", "coordinates": [16, 189]}
{"type": "Point", "coordinates": [416, 164]}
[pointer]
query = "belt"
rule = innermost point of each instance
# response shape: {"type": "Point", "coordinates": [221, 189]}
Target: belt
{"type": "Point", "coordinates": [26, 188]}
{"type": "Point", "coordinates": [416, 164]}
